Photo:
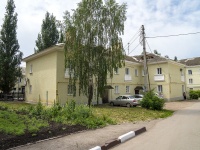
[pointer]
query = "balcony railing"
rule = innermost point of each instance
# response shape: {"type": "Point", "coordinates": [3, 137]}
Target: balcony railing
{"type": "Point", "coordinates": [183, 78]}
{"type": "Point", "coordinates": [159, 77]}
{"type": "Point", "coordinates": [128, 78]}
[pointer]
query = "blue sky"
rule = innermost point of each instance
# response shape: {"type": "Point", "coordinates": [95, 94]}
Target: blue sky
{"type": "Point", "coordinates": [160, 17]}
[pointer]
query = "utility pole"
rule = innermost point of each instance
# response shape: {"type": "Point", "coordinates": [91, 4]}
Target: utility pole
{"type": "Point", "coordinates": [145, 60]}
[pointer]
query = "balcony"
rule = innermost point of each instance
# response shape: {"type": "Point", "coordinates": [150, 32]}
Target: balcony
{"type": "Point", "coordinates": [128, 78]}
{"type": "Point", "coordinates": [159, 77]}
{"type": "Point", "coordinates": [182, 78]}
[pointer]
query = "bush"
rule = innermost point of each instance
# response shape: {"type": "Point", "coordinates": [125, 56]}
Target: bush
{"type": "Point", "coordinates": [151, 101]}
{"type": "Point", "coordinates": [194, 94]}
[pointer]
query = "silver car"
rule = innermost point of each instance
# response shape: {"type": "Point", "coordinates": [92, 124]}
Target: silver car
{"type": "Point", "coordinates": [125, 100]}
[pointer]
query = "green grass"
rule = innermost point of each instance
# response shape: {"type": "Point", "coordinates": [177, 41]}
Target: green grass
{"type": "Point", "coordinates": [135, 114]}
{"type": "Point", "coordinates": [17, 118]}
{"type": "Point", "coordinates": [15, 124]}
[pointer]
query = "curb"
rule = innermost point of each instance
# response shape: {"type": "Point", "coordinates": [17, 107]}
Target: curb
{"type": "Point", "coordinates": [120, 139]}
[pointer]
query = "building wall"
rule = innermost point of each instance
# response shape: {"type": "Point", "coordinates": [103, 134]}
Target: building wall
{"type": "Point", "coordinates": [122, 80]}
{"type": "Point", "coordinates": [63, 82]}
{"type": "Point", "coordinates": [195, 76]}
{"type": "Point", "coordinates": [41, 83]}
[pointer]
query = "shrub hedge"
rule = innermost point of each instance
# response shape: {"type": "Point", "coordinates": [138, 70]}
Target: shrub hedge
{"type": "Point", "coordinates": [194, 94]}
{"type": "Point", "coordinates": [151, 101]}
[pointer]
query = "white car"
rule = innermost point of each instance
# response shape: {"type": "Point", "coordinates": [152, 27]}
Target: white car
{"type": "Point", "coordinates": [125, 100]}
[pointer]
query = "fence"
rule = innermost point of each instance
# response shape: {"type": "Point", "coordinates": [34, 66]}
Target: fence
{"type": "Point", "coordinates": [13, 96]}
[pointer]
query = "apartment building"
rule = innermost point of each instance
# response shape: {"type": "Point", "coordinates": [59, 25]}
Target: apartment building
{"type": "Point", "coordinates": [47, 79]}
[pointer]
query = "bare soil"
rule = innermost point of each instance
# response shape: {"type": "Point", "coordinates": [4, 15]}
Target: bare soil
{"type": "Point", "coordinates": [104, 134]}
{"type": "Point", "coordinates": [55, 129]}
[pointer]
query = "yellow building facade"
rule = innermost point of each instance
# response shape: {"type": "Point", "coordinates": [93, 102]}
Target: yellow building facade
{"type": "Point", "coordinates": [47, 79]}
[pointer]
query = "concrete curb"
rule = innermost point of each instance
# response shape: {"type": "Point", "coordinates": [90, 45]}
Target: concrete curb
{"type": "Point", "coordinates": [120, 139]}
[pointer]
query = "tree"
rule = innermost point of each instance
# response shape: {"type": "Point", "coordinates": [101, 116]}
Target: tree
{"type": "Point", "coordinates": [156, 52]}
{"type": "Point", "coordinates": [175, 58]}
{"type": "Point", "coordinates": [93, 47]}
{"type": "Point", "coordinates": [10, 56]}
{"type": "Point", "coordinates": [166, 56]}
{"type": "Point", "coordinates": [49, 33]}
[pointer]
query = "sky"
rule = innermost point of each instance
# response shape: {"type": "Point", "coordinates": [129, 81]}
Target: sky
{"type": "Point", "coordinates": [159, 17]}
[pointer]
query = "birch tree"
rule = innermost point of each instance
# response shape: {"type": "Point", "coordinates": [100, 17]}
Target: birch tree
{"type": "Point", "coordinates": [94, 48]}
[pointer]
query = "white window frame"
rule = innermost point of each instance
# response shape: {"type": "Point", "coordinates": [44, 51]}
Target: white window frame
{"type": "Point", "coordinates": [116, 71]}
{"type": "Point", "coordinates": [136, 72]}
{"type": "Point", "coordinates": [160, 88]}
{"type": "Point", "coordinates": [31, 69]}
{"type": "Point", "coordinates": [127, 89]}
{"type": "Point", "coordinates": [70, 90]}
{"type": "Point", "coordinates": [190, 72]}
{"type": "Point", "coordinates": [127, 71]}
{"type": "Point", "coordinates": [116, 89]}
{"type": "Point", "coordinates": [190, 81]}
{"type": "Point", "coordinates": [143, 73]}
{"type": "Point", "coordinates": [159, 70]}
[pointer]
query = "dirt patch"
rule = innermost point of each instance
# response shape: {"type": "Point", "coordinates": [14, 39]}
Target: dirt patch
{"type": "Point", "coordinates": [78, 141]}
{"type": "Point", "coordinates": [55, 129]}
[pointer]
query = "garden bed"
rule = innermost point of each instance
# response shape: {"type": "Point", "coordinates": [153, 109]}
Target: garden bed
{"type": "Point", "coordinates": [54, 130]}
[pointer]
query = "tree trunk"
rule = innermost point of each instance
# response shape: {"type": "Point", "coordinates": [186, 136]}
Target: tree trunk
{"type": "Point", "coordinates": [90, 91]}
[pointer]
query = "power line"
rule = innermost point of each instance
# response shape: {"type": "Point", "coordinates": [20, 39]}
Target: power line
{"type": "Point", "coordinates": [132, 38]}
{"type": "Point", "coordinates": [155, 57]}
{"type": "Point", "coordinates": [134, 49]}
{"type": "Point", "coordinates": [181, 34]}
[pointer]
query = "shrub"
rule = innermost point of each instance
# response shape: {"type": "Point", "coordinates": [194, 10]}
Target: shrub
{"type": "Point", "coordinates": [151, 101]}
{"type": "Point", "coordinates": [194, 94]}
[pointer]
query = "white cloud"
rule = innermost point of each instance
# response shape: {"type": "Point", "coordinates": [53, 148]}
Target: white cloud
{"type": "Point", "coordinates": [159, 18]}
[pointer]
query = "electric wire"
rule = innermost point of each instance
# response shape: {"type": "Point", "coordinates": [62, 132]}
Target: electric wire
{"type": "Point", "coordinates": [155, 58]}
{"type": "Point", "coordinates": [181, 34]}
{"type": "Point", "coordinates": [128, 44]}
{"type": "Point", "coordinates": [133, 49]}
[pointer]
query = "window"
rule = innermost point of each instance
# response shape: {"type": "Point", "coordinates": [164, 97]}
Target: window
{"type": "Point", "coordinates": [159, 70]}
{"type": "Point", "coordinates": [116, 89]}
{"type": "Point", "coordinates": [160, 89]}
{"type": "Point", "coordinates": [30, 89]}
{"type": "Point", "coordinates": [189, 71]}
{"type": "Point", "coordinates": [127, 71]}
{"type": "Point", "coordinates": [67, 73]}
{"type": "Point", "coordinates": [116, 71]}
{"type": "Point", "coordinates": [127, 89]}
{"type": "Point", "coordinates": [31, 68]}
{"type": "Point", "coordinates": [142, 72]}
{"type": "Point", "coordinates": [190, 81]}
{"type": "Point", "coordinates": [19, 89]}
{"type": "Point", "coordinates": [136, 72]}
{"type": "Point", "coordinates": [70, 90]}
{"type": "Point", "coordinates": [14, 89]}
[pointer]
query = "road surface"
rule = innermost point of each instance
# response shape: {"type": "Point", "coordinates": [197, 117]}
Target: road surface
{"type": "Point", "coordinates": [179, 132]}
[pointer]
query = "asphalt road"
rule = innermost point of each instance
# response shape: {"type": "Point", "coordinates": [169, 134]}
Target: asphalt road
{"type": "Point", "coordinates": [179, 132]}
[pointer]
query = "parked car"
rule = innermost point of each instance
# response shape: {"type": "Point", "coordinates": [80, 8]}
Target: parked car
{"type": "Point", "coordinates": [126, 100]}
{"type": "Point", "coordinates": [138, 97]}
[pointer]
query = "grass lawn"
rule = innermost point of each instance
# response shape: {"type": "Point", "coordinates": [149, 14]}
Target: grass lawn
{"type": "Point", "coordinates": [16, 124]}
{"type": "Point", "coordinates": [134, 114]}
{"type": "Point", "coordinates": [17, 117]}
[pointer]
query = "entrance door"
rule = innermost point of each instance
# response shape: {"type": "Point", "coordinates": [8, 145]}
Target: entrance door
{"type": "Point", "coordinates": [137, 92]}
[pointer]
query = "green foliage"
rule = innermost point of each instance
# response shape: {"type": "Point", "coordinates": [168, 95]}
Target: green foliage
{"type": "Point", "coordinates": [10, 55]}
{"type": "Point", "coordinates": [93, 47]}
{"type": "Point", "coordinates": [49, 33]}
{"type": "Point", "coordinates": [151, 101]}
{"type": "Point", "coordinates": [194, 94]}
{"type": "Point", "coordinates": [12, 123]}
